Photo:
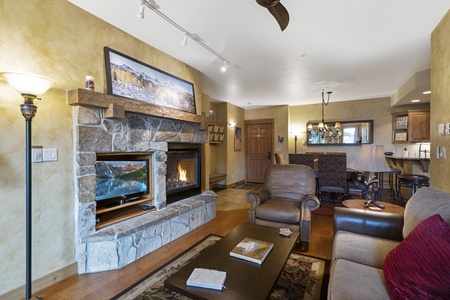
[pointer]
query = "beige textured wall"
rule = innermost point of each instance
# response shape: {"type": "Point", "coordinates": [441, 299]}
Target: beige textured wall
{"type": "Point", "coordinates": [280, 114]}
{"type": "Point", "coordinates": [440, 102]}
{"type": "Point", "coordinates": [52, 38]}
{"type": "Point", "coordinates": [235, 159]}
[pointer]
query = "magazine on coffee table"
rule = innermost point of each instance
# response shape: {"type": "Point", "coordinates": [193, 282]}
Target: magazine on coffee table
{"type": "Point", "coordinates": [252, 250]}
{"type": "Point", "coordinates": [207, 278]}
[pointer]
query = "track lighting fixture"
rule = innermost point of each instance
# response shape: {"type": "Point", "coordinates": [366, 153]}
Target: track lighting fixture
{"type": "Point", "coordinates": [225, 66]}
{"type": "Point", "coordinates": [184, 41]}
{"type": "Point", "coordinates": [186, 34]}
{"type": "Point", "coordinates": [140, 12]}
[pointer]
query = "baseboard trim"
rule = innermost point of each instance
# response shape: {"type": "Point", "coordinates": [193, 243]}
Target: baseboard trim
{"type": "Point", "coordinates": [42, 282]}
{"type": "Point", "coordinates": [228, 186]}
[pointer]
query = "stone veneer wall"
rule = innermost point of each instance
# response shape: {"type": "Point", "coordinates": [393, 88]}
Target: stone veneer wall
{"type": "Point", "coordinates": [117, 245]}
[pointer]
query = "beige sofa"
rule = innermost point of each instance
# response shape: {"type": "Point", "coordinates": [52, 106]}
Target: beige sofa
{"type": "Point", "coordinates": [364, 240]}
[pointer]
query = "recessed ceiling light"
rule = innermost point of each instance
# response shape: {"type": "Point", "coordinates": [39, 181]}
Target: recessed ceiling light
{"type": "Point", "coordinates": [426, 92]}
{"type": "Point", "coordinates": [415, 100]}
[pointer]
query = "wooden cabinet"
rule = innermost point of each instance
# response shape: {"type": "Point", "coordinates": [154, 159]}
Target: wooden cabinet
{"type": "Point", "coordinates": [411, 126]}
{"type": "Point", "coordinates": [419, 126]}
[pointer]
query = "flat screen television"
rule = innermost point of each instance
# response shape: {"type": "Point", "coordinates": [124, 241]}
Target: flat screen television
{"type": "Point", "coordinates": [120, 181]}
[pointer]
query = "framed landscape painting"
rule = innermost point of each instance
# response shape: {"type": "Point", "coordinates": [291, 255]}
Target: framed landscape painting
{"type": "Point", "coordinates": [130, 78]}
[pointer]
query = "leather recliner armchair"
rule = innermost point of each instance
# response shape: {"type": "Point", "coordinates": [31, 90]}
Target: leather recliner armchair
{"type": "Point", "coordinates": [285, 200]}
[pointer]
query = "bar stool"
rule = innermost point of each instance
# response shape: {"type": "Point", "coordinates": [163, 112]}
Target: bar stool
{"type": "Point", "coordinates": [413, 182]}
{"type": "Point", "coordinates": [392, 184]}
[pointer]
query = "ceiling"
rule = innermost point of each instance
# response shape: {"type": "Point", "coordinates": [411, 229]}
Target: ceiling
{"type": "Point", "coordinates": [358, 49]}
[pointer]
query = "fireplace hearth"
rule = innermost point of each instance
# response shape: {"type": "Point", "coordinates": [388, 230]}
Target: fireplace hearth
{"type": "Point", "coordinates": [183, 171]}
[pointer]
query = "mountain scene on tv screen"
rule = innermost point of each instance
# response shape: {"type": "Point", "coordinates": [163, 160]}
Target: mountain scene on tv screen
{"type": "Point", "coordinates": [119, 179]}
{"type": "Point", "coordinates": [129, 83]}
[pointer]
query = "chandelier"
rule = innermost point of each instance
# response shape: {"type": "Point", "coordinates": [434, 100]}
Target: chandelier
{"type": "Point", "coordinates": [325, 132]}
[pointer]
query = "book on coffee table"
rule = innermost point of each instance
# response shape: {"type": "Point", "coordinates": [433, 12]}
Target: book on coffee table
{"type": "Point", "coordinates": [207, 278]}
{"type": "Point", "coordinates": [252, 250]}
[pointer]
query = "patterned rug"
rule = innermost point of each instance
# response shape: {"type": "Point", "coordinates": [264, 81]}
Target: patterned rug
{"type": "Point", "coordinates": [307, 277]}
{"type": "Point", "coordinates": [249, 186]}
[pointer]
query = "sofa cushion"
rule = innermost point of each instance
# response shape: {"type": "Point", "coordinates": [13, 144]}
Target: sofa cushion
{"type": "Point", "coordinates": [350, 280]}
{"type": "Point", "coordinates": [279, 210]}
{"type": "Point", "coordinates": [423, 204]}
{"type": "Point", "coordinates": [418, 268]}
{"type": "Point", "coordinates": [361, 248]}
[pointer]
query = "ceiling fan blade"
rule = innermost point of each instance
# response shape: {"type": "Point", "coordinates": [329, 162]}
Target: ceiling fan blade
{"type": "Point", "coordinates": [281, 15]}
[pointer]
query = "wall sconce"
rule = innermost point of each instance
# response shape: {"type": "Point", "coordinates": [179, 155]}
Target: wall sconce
{"type": "Point", "coordinates": [29, 86]}
{"type": "Point", "coordinates": [232, 124]}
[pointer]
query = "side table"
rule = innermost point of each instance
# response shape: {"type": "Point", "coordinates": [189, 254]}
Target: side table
{"type": "Point", "coordinates": [388, 207]}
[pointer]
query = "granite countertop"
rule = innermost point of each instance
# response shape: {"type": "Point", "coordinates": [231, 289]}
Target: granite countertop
{"type": "Point", "coordinates": [408, 158]}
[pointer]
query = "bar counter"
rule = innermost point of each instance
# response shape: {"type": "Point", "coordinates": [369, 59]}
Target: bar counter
{"type": "Point", "coordinates": [401, 162]}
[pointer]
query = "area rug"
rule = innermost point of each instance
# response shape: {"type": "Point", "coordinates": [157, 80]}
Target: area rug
{"type": "Point", "coordinates": [307, 277]}
{"type": "Point", "coordinates": [249, 186]}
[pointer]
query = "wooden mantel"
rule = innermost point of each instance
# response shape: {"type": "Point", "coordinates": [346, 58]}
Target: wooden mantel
{"type": "Point", "coordinates": [117, 106]}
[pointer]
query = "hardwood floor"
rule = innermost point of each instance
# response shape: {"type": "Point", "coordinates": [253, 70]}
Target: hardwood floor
{"type": "Point", "coordinates": [231, 211]}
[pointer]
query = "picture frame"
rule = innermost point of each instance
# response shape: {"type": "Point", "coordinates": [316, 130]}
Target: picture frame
{"type": "Point", "coordinates": [400, 136]}
{"type": "Point", "coordinates": [401, 122]}
{"type": "Point", "coordinates": [130, 78]}
{"type": "Point", "coordinates": [237, 139]}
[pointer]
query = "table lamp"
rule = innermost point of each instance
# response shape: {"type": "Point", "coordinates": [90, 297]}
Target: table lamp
{"type": "Point", "coordinates": [371, 159]}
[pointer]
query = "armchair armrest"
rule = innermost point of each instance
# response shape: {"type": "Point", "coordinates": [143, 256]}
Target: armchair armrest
{"type": "Point", "coordinates": [310, 203]}
{"type": "Point", "coordinates": [255, 198]}
{"type": "Point", "coordinates": [372, 223]}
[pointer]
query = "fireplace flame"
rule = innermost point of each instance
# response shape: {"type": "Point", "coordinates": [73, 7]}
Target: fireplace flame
{"type": "Point", "coordinates": [182, 173]}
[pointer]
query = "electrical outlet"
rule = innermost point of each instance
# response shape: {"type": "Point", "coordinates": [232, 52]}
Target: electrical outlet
{"type": "Point", "coordinates": [447, 128]}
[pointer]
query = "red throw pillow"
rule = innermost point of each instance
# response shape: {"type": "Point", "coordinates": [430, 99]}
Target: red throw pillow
{"type": "Point", "coordinates": [419, 267]}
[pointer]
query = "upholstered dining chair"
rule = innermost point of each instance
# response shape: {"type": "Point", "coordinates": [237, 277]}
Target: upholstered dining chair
{"type": "Point", "coordinates": [333, 175]}
{"type": "Point", "coordinates": [285, 200]}
{"type": "Point", "coordinates": [302, 159]}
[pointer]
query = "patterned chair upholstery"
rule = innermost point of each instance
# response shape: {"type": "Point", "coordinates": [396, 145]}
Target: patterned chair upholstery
{"type": "Point", "coordinates": [333, 175]}
{"type": "Point", "coordinates": [302, 159]}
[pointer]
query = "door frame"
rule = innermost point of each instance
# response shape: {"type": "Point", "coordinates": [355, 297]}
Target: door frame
{"type": "Point", "coordinates": [270, 121]}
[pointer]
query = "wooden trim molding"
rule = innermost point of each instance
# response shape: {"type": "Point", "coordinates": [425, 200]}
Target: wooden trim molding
{"type": "Point", "coordinates": [259, 121]}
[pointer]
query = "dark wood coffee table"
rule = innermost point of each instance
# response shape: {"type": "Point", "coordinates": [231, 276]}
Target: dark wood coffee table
{"type": "Point", "coordinates": [245, 280]}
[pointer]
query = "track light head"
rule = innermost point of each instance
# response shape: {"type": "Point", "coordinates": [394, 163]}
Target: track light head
{"type": "Point", "coordinates": [224, 66]}
{"type": "Point", "coordinates": [184, 41]}
{"type": "Point", "coordinates": [141, 9]}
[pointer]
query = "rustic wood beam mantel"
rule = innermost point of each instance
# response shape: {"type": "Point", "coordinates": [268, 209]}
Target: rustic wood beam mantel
{"type": "Point", "coordinates": [91, 98]}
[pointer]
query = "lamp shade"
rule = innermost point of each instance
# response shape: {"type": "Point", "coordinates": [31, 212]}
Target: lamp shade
{"type": "Point", "coordinates": [371, 159]}
{"type": "Point", "coordinates": [27, 83]}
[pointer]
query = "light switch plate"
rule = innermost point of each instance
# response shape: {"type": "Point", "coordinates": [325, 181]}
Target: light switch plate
{"type": "Point", "coordinates": [36, 155]}
{"type": "Point", "coordinates": [50, 154]}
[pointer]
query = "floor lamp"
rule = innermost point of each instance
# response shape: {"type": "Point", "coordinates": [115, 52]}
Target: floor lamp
{"type": "Point", "coordinates": [29, 86]}
{"type": "Point", "coordinates": [371, 159]}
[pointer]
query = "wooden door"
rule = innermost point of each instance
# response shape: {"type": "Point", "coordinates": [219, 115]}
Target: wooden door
{"type": "Point", "coordinates": [259, 150]}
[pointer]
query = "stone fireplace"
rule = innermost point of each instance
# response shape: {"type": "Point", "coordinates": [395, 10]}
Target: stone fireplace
{"type": "Point", "coordinates": [123, 242]}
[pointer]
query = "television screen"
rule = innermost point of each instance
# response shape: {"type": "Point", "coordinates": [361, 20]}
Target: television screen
{"type": "Point", "coordinates": [121, 180]}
